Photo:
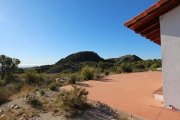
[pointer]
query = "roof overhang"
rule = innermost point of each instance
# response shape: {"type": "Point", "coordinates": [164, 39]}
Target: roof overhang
{"type": "Point", "coordinates": [147, 23]}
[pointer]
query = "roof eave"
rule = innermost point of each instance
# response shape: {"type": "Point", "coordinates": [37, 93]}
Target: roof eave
{"type": "Point", "coordinates": [147, 23]}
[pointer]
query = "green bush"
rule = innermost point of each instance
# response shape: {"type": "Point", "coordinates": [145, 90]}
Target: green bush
{"type": "Point", "coordinates": [34, 101]}
{"type": "Point", "coordinates": [118, 70]}
{"type": "Point", "coordinates": [11, 78]}
{"type": "Point", "coordinates": [33, 78]}
{"type": "Point", "coordinates": [73, 102]}
{"type": "Point", "coordinates": [154, 67]}
{"type": "Point", "coordinates": [106, 72]}
{"type": "Point", "coordinates": [53, 87]}
{"type": "Point", "coordinates": [126, 69]}
{"type": "Point", "coordinates": [88, 73]}
{"type": "Point", "coordinates": [2, 82]}
{"type": "Point", "coordinates": [74, 78]}
{"type": "Point", "coordinates": [97, 73]}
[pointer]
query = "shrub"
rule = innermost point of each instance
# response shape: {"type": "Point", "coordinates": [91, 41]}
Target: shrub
{"type": "Point", "coordinates": [139, 66]}
{"type": "Point", "coordinates": [74, 78]}
{"type": "Point", "coordinates": [34, 102]}
{"type": "Point", "coordinates": [2, 82]}
{"type": "Point", "coordinates": [123, 116]}
{"type": "Point", "coordinates": [4, 96]}
{"type": "Point", "coordinates": [106, 72]}
{"type": "Point", "coordinates": [118, 70]}
{"type": "Point", "coordinates": [154, 67]}
{"type": "Point", "coordinates": [88, 73]}
{"type": "Point", "coordinates": [11, 78]}
{"type": "Point", "coordinates": [53, 87]}
{"type": "Point", "coordinates": [42, 92]}
{"type": "Point", "coordinates": [33, 78]}
{"type": "Point", "coordinates": [126, 69]}
{"type": "Point", "coordinates": [15, 87]}
{"type": "Point", "coordinates": [73, 102]}
{"type": "Point", "coordinates": [97, 73]}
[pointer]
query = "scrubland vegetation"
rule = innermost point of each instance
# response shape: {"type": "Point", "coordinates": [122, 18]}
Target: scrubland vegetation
{"type": "Point", "coordinates": [17, 82]}
{"type": "Point", "coordinates": [78, 61]}
{"type": "Point", "coordinates": [73, 102]}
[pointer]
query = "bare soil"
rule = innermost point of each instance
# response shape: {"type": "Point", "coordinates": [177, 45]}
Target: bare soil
{"type": "Point", "coordinates": [132, 93]}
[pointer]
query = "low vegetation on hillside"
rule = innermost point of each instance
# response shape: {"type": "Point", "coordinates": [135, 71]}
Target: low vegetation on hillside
{"type": "Point", "coordinates": [77, 61]}
{"type": "Point", "coordinates": [35, 84]}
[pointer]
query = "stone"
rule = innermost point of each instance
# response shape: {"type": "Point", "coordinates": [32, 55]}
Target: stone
{"type": "Point", "coordinates": [21, 118]}
{"type": "Point", "coordinates": [12, 106]}
{"type": "Point", "coordinates": [16, 107]}
{"type": "Point", "coordinates": [2, 115]}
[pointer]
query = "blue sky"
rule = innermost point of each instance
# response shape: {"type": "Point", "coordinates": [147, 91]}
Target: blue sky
{"type": "Point", "coordinates": [44, 31]}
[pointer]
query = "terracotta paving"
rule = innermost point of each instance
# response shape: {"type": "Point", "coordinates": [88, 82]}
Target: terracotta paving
{"type": "Point", "coordinates": [132, 93]}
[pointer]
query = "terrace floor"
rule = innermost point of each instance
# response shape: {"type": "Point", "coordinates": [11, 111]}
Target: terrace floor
{"type": "Point", "coordinates": [132, 93]}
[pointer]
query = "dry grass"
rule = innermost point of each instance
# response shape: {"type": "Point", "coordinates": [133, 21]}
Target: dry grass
{"type": "Point", "coordinates": [4, 96]}
{"type": "Point", "coordinates": [123, 116]}
{"type": "Point", "coordinates": [26, 90]}
{"type": "Point", "coordinates": [20, 114]}
{"type": "Point", "coordinates": [73, 102]}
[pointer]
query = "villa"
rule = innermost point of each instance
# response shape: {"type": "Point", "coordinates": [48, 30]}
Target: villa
{"type": "Point", "coordinates": [161, 24]}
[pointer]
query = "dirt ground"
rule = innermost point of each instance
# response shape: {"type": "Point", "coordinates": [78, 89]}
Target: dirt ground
{"type": "Point", "coordinates": [132, 93]}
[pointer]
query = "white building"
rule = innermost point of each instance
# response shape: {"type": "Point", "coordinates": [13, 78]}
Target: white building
{"type": "Point", "coordinates": [161, 24]}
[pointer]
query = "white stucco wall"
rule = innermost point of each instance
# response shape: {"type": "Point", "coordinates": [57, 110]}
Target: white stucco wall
{"type": "Point", "coordinates": [170, 43]}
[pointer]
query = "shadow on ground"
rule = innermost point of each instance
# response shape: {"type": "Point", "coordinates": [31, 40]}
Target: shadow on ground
{"type": "Point", "coordinates": [83, 85]}
{"type": "Point", "coordinates": [104, 80]}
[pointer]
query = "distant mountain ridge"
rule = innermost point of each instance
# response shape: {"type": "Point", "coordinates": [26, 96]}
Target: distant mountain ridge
{"type": "Point", "coordinates": [76, 61]}
{"type": "Point", "coordinates": [126, 58]}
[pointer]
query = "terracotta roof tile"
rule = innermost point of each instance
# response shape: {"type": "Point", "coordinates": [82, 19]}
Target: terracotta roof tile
{"type": "Point", "coordinates": [147, 22]}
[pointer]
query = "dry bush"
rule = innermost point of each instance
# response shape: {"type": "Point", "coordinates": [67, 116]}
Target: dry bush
{"type": "Point", "coordinates": [25, 90]}
{"type": "Point", "coordinates": [34, 101]}
{"type": "Point", "coordinates": [123, 116]}
{"type": "Point", "coordinates": [74, 78]}
{"type": "Point", "coordinates": [53, 87]}
{"type": "Point", "coordinates": [74, 101]}
{"type": "Point", "coordinates": [4, 96]}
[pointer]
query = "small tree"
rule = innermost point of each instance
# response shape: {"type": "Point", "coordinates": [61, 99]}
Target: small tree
{"type": "Point", "coordinates": [8, 66]}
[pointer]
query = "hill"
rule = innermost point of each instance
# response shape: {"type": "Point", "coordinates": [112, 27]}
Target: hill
{"type": "Point", "coordinates": [126, 58]}
{"type": "Point", "coordinates": [73, 62]}
{"type": "Point", "coordinates": [85, 56]}
{"type": "Point", "coordinates": [77, 61]}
